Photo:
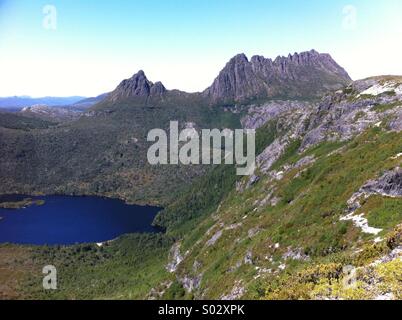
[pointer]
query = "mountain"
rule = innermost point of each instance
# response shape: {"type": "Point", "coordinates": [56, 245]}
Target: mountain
{"type": "Point", "coordinates": [25, 101]}
{"type": "Point", "coordinates": [326, 196]}
{"type": "Point", "coordinates": [137, 86]}
{"type": "Point", "coordinates": [107, 145]}
{"type": "Point", "coordinates": [307, 75]}
{"type": "Point", "coordinates": [326, 193]}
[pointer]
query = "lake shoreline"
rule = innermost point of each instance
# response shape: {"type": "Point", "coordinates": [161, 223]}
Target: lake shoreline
{"type": "Point", "coordinates": [114, 217]}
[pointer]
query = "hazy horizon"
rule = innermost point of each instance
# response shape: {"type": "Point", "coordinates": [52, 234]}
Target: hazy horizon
{"type": "Point", "coordinates": [63, 49]}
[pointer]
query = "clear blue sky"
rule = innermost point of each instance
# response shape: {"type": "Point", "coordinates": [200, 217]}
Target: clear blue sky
{"type": "Point", "coordinates": [184, 43]}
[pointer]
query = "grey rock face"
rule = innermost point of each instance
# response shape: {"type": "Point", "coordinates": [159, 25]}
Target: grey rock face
{"type": "Point", "coordinates": [295, 254]}
{"type": "Point", "coordinates": [52, 113]}
{"type": "Point", "coordinates": [191, 284]}
{"type": "Point", "coordinates": [257, 116]}
{"type": "Point", "coordinates": [137, 86]}
{"type": "Point", "coordinates": [345, 114]}
{"type": "Point", "coordinates": [214, 238]}
{"type": "Point", "coordinates": [292, 126]}
{"type": "Point", "coordinates": [237, 292]}
{"type": "Point", "coordinates": [157, 89]}
{"type": "Point", "coordinates": [340, 116]}
{"type": "Point", "coordinates": [271, 154]}
{"type": "Point", "coordinates": [175, 258]}
{"type": "Point", "coordinates": [396, 123]}
{"type": "Point", "coordinates": [304, 75]}
{"type": "Point", "coordinates": [389, 184]}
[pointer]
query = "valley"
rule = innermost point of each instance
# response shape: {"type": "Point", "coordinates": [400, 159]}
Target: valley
{"type": "Point", "coordinates": [328, 155]}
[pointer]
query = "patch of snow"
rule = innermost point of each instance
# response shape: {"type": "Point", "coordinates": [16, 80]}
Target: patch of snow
{"type": "Point", "coordinates": [397, 156]}
{"type": "Point", "coordinates": [361, 222]}
{"type": "Point", "coordinates": [282, 267]}
{"type": "Point", "coordinates": [378, 240]}
{"type": "Point", "coordinates": [279, 175]}
{"type": "Point", "coordinates": [386, 296]}
{"type": "Point", "coordinates": [398, 90]}
{"type": "Point", "coordinates": [378, 89]}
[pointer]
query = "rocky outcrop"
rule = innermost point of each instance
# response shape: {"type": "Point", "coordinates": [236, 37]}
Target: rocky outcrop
{"type": "Point", "coordinates": [304, 75]}
{"type": "Point", "coordinates": [237, 292]}
{"type": "Point", "coordinates": [258, 115]}
{"type": "Point", "coordinates": [175, 258]}
{"type": "Point", "coordinates": [390, 184]}
{"type": "Point", "coordinates": [346, 113]}
{"type": "Point", "coordinates": [57, 114]}
{"type": "Point", "coordinates": [137, 86]}
{"type": "Point", "coordinates": [190, 284]}
{"type": "Point", "coordinates": [295, 254]}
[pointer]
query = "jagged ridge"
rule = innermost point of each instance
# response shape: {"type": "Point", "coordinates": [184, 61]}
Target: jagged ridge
{"type": "Point", "coordinates": [305, 75]}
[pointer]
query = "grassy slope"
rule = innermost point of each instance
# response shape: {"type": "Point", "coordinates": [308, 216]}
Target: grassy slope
{"type": "Point", "coordinates": [307, 217]}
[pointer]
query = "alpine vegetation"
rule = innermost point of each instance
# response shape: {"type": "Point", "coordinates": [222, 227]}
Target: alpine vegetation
{"type": "Point", "coordinates": [274, 178]}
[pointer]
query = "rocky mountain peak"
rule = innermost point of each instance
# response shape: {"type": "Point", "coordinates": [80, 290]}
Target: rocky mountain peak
{"type": "Point", "coordinates": [238, 59]}
{"type": "Point", "coordinates": [301, 75]}
{"type": "Point", "coordinates": [137, 86]}
{"type": "Point", "coordinates": [157, 89]}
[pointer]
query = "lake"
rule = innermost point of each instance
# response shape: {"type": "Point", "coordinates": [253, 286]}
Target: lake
{"type": "Point", "coordinates": [67, 220]}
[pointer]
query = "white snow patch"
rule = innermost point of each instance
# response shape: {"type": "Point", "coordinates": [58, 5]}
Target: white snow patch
{"type": "Point", "coordinates": [378, 240]}
{"type": "Point", "coordinates": [397, 156]}
{"type": "Point", "coordinates": [282, 267]}
{"type": "Point", "coordinates": [361, 222]}
{"type": "Point", "coordinates": [386, 296]}
{"type": "Point", "coordinates": [378, 89]}
{"type": "Point", "coordinates": [378, 124]}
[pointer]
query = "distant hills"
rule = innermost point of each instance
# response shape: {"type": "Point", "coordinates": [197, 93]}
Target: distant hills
{"type": "Point", "coordinates": [88, 102]}
{"type": "Point", "coordinates": [19, 102]}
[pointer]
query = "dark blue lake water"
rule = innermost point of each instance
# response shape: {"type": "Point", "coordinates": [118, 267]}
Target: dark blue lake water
{"type": "Point", "coordinates": [69, 220]}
